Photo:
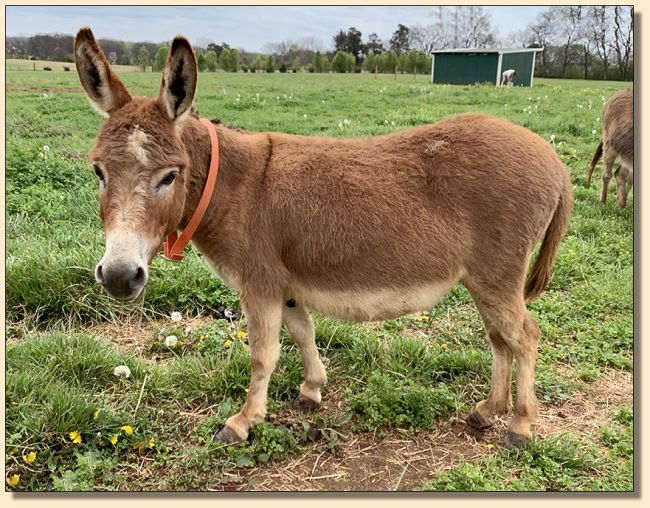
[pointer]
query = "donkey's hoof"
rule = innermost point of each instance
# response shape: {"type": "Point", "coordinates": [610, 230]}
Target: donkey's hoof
{"type": "Point", "coordinates": [476, 421]}
{"type": "Point", "coordinates": [515, 441]}
{"type": "Point", "coordinates": [227, 435]}
{"type": "Point", "coordinates": [303, 402]}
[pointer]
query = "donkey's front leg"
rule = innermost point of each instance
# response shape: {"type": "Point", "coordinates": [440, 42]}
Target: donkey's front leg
{"type": "Point", "coordinates": [264, 321]}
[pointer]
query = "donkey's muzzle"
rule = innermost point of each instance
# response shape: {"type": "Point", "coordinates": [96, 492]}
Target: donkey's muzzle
{"type": "Point", "coordinates": [122, 281]}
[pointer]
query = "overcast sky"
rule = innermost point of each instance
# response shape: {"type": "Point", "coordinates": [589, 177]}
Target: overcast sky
{"type": "Point", "coordinates": [248, 28]}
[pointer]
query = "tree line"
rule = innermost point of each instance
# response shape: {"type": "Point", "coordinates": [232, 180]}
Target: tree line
{"type": "Point", "coordinates": [590, 42]}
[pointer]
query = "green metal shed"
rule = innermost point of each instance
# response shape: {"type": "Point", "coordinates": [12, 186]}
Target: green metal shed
{"type": "Point", "coordinates": [483, 65]}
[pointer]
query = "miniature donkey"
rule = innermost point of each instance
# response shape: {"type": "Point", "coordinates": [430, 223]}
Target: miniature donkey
{"type": "Point", "coordinates": [357, 229]}
{"type": "Point", "coordinates": [617, 140]}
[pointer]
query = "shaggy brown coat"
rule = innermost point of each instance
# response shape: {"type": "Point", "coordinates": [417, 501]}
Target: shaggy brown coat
{"type": "Point", "coordinates": [617, 140]}
{"type": "Point", "coordinates": [358, 229]}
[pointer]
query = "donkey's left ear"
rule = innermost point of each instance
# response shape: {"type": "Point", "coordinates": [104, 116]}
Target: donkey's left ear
{"type": "Point", "coordinates": [179, 79]}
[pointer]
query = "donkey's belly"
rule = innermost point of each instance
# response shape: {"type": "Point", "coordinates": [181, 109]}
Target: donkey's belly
{"type": "Point", "coordinates": [371, 305]}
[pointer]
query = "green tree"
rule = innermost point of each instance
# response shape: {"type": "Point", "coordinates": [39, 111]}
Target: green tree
{"type": "Point", "coordinates": [160, 58]}
{"type": "Point", "coordinates": [270, 64]}
{"type": "Point", "coordinates": [295, 66]}
{"type": "Point", "coordinates": [229, 60]}
{"type": "Point", "coordinates": [256, 63]}
{"type": "Point", "coordinates": [388, 61]}
{"type": "Point", "coordinates": [400, 41]}
{"type": "Point", "coordinates": [211, 60]}
{"type": "Point", "coordinates": [343, 62]}
{"type": "Point", "coordinates": [200, 62]}
{"type": "Point", "coordinates": [374, 44]}
{"type": "Point", "coordinates": [318, 62]}
{"type": "Point", "coordinates": [143, 58]}
{"type": "Point", "coordinates": [349, 42]}
{"type": "Point", "coordinates": [402, 64]}
{"type": "Point", "coordinates": [371, 63]}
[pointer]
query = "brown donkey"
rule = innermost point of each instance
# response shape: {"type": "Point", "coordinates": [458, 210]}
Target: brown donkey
{"type": "Point", "coordinates": [617, 140]}
{"type": "Point", "coordinates": [357, 229]}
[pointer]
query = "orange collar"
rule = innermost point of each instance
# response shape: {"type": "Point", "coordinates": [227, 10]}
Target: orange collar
{"type": "Point", "coordinates": [174, 245]}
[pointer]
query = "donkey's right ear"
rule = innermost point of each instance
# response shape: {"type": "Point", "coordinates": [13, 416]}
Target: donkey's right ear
{"type": "Point", "coordinates": [104, 90]}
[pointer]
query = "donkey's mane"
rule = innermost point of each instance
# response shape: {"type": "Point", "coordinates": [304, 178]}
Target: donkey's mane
{"type": "Point", "coordinates": [194, 113]}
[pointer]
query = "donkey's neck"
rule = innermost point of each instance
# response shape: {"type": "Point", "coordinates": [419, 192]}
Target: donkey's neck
{"type": "Point", "coordinates": [242, 161]}
{"type": "Point", "coordinates": [196, 139]}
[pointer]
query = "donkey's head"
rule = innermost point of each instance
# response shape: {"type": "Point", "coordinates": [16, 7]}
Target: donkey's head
{"type": "Point", "coordinates": [139, 159]}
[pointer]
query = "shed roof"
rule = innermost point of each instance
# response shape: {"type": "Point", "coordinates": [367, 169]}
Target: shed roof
{"type": "Point", "coordinates": [486, 50]}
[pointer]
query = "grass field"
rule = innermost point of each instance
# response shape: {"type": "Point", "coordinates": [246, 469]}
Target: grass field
{"type": "Point", "coordinates": [393, 409]}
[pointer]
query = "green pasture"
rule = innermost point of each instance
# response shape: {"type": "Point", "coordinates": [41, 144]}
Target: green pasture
{"type": "Point", "coordinates": [409, 376]}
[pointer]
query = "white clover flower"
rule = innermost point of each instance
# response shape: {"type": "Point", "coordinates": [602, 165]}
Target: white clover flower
{"type": "Point", "coordinates": [346, 121]}
{"type": "Point", "coordinates": [593, 131]}
{"type": "Point", "coordinates": [305, 116]}
{"type": "Point", "coordinates": [228, 313]}
{"type": "Point", "coordinates": [340, 125]}
{"type": "Point", "coordinates": [176, 316]}
{"type": "Point", "coordinates": [122, 371]}
{"type": "Point", "coordinates": [46, 148]}
{"type": "Point", "coordinates": [188, 329]}
{"type": "Point", "coordinates": [171, 341]}
{"type": "Point", "coordinates": [552, 137]}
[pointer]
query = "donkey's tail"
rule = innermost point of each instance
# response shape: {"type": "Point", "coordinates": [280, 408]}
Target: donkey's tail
{"type": "Point", "coordinates": [539, 273]}
{"type": "Point", "coordinates": [594, 161]}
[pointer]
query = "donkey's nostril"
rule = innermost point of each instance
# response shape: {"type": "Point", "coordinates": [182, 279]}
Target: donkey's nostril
{"type": "Point", "coordinates": [99, 275]}
{"type": "Point", "coordinates": [139, 278]}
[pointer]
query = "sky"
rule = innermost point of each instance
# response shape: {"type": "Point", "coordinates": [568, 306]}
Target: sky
{"type": "Point", "coordinates": [249, 28]}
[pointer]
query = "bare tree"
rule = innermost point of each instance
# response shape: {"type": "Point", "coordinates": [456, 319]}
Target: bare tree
{"type": "Point", "coordinates": [569, 19]}
{"type": "Point", "coordinates": [476, 27]}
{"type": "Point", "coordinates": [423, 38]}
{"type": "Point", "coordinates": [542, 34]}
{"type": "Point", "coordinates": [515, 39]}
{"type": "Point", "coordinates": [601, 34]}
{"type": "Point", "coordinates": [311, 44]}
{"type": "Point", "coordinates": [623, 35]}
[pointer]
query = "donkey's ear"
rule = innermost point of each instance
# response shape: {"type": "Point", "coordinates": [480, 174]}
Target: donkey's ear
{"type": "Point", "coordinates": [105, 91]}
{"type": "Point", "coordinates": [179, 79]}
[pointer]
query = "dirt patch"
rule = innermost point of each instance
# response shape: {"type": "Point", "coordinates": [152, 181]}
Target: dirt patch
{"type": "Point", "coordinates": [394, 460]}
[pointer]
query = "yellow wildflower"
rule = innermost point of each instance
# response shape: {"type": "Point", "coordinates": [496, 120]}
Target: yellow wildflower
{"type": "Point", "coordinates": [75, 437]}
{"type": "Point", "coordinates": [489, 446]}
{"type": "Point", "coordinates": [113, 439]}
{"type": "Point", "coordinates": [13, 480]}
{"type": "Point", "coordinates": [246, 390]}
{"type": "Point", "coordinates": [444, 346]}
{"type": "Point", "coordinates": [242, 335]}
{"type": "Point", "coordinates": [228, 343]}
{"type": "Point", "coordinates": [96, 414]}
{"type": "Point", "coordinates": [152, 442]}
{"type": "Point", "coordinates": [127, 429]}
{"type": "Point", "coordinates": [30, 457]}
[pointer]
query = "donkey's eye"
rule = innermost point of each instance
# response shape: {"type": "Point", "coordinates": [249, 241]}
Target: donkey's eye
{"type": "Point", "coordinates": [98, 172]}
{"type": "Point", "coordinates": [169, 178]}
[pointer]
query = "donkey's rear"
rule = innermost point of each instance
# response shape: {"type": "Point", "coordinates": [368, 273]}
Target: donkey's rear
{"type": "Point", "coordinates": [617, 140]}
{"type": "Point", "coordinates": [359, 229]}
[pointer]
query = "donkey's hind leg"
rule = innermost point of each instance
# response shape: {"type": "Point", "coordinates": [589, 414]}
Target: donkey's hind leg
{"type": "Point", "coordinates": [513, 334]}
{"type": "Point", "coordinates": [301, 328]}
{"type": "Point", "coordinates": [499, 400]}
{"type": "Point", "coordinates": [609, 156]}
